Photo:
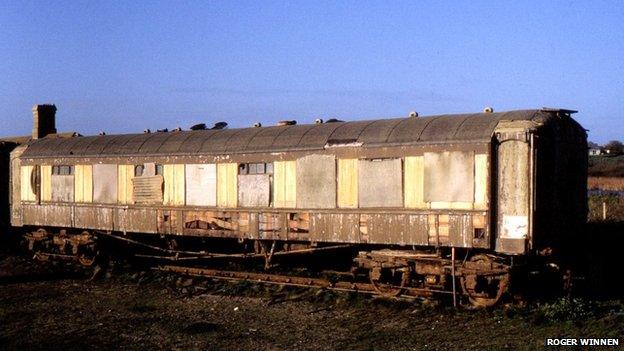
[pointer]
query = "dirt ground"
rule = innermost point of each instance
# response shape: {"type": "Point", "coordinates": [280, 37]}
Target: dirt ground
{"type": "Point", "coordinates": [44, 307]}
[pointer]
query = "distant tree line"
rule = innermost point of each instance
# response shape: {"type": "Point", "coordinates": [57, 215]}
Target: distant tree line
{"type": "Point", "coordinates": [614, 147]}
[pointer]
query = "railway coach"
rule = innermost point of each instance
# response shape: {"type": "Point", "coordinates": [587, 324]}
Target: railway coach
{"type": "Point", "coordinates": [425, 201]}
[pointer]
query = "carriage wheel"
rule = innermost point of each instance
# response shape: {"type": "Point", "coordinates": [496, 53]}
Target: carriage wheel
{"type": "Point", "coordinates": [486, 283]}
{"type": "Point", "coordinates": [86, 261]}
{"type": "Point", "coordinates": [389, 282]}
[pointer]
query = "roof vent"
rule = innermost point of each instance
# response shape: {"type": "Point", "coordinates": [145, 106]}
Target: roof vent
{"type": "Point", "coordinates": [220, 125]}
{"type": "Point", "coordinates": [199, 126]}
{"type": "Point", "coordinates": [257, 125]}
{"type": "Point", "coordinates": [164, 130]}
{"type": "Point", "coordinates": [147, 131]}
{"type": "Point", "coordinates": [287, 123]}
{"type": "Point", "coordinates": [179, 129]}
{"type": "Point", "coordinates": [318, 121]}
{"type": "Point", "coordinates": [333, 120]}
{"type": "Point", "coordinates": [488, 109]}
{"type": "Point", "coordinates": [102, 133]}
{"type": "Point", "coordinates": [413, 114]}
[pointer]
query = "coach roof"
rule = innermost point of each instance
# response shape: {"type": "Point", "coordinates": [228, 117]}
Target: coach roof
{"type": "Point", "coordinates": [477, 127]}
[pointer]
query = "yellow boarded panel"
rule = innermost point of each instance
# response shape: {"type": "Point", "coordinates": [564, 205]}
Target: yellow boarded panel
{"type": "Point", "coordinates": [83, 183]}
{"type": "Point", "coordinates": [174, 185]}
{"type": "Point", "coordinates": [46, 183]}
{"type": "Point", "coordinates": [124, 183]}
{"type": "Point", "coordinates": [285, 183]}
{"type": "Point", "coordinates": [227, 184]}
{"type": "Point", "coordinates": [481, 177]}
{"type": "Point", "coordinates": [414, 170]}
{"type": "Point", "coordinates": [27, 193]}
{"type": "Point", "coordinates": [348, 183]}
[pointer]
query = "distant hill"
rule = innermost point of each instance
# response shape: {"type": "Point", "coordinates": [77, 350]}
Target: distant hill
{"type": "Point", "coordinates": [606, 166]}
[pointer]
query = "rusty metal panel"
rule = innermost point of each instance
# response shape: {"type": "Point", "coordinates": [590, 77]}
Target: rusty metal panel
{"type": "Point", "coordinates": [461, 231]}
{"type": "Point", "coordinates": [335, 227]}
{"type": "Point", "coordinates": [105, 184]}
{"type": "Point", "coordinates": [273, 226]}
{"type": "Point", "coordinates": [47, 215]}
{"type": "Point", "coordinates": [449, 176]}
{"type": "Point", "coordinates": [316, 181]}
{"type": "Point", "coordinates": [138, 220]}
{"type": "Point", "coordinates": [201, 185]}
{"type": "Point", "coordinates": [387, 229]}
{"type": "Point", "coordinates": [62, 188]}
{"type": "Point", "coordinates": [254, 190]}
{"type": "Point", "coordinates": [418, 229]}
{"type": "Point", "coordinates": [99, 218]}
{"type": "Point", "coordinates": [380, 183]}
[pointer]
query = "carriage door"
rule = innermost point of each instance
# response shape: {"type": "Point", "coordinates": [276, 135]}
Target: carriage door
{"type": "Point", "coordinates": [513, 187]}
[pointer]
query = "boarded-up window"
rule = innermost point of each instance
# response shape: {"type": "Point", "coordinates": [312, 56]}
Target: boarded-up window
{"type": "Point", "coordinates": [380, 183]}
{"type": "Point", "coordinates": [174, 185]}
{"type": "Point", "coordinates": [285, 184]}
{"type": "Point", "coordinates": [449, 176]}
{"type": "Point", "coordinates": [147, 189]}
{"type": "Point", "coordinates": [316, 182]}
{"type": "Point", "coordinates": [83, 181]}
{"type": "Point", "coordinates": [347, 183]}
{"type": "Point", "coordinates": [46, 183]}
{"type": "Point", "coordinates": [105, 183]}
{"type": "Point", "coordinates": [201, 185]}
{"type": "Point", "coordinates": [413, 172]}
{"type": "Point", "coordinates": [254, 190]}
{"type": "Point", "coordinates": [124, 184]}
{"type": "Point", "coordinates": [62, 188]}
{"type": "Point", "coordinates": [227, 174]}
{"type": "Point", "coordinates": [27, 189]}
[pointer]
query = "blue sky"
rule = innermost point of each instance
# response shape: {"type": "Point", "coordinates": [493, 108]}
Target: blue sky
{"type": "Point", "coordinates": [123, 66]}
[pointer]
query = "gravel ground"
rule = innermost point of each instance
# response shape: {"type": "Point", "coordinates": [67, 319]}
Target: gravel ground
{"type": "Point", "coordinates": [45, 307]}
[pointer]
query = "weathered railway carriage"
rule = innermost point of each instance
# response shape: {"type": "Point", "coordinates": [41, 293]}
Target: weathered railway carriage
{"type": "Point", "coordinates": [509, 184]}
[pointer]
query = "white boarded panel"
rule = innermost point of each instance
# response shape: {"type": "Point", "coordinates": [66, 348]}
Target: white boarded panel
{"type": "Point", "coordinates": [201, 185]}
{"type": "Point", "coordinates": [380, 183]}
{"type": "Point", "coordinates": [316, 182]}
{"type": "Point", "coordinates": [449, 176]}
{"type": "Point", "coordinates": [63, 188]}
{"type": "Point", "coordinates": [254, 190]}
{"type": "Point", "coordinates": [105, 184]}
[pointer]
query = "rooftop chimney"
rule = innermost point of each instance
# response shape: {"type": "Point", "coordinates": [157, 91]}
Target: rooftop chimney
{"type": "Point", "coordinates": [44, 120]}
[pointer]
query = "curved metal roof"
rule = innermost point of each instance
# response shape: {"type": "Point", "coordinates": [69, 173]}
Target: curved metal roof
{"type": "Point", "coordinates": [477, 127]}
